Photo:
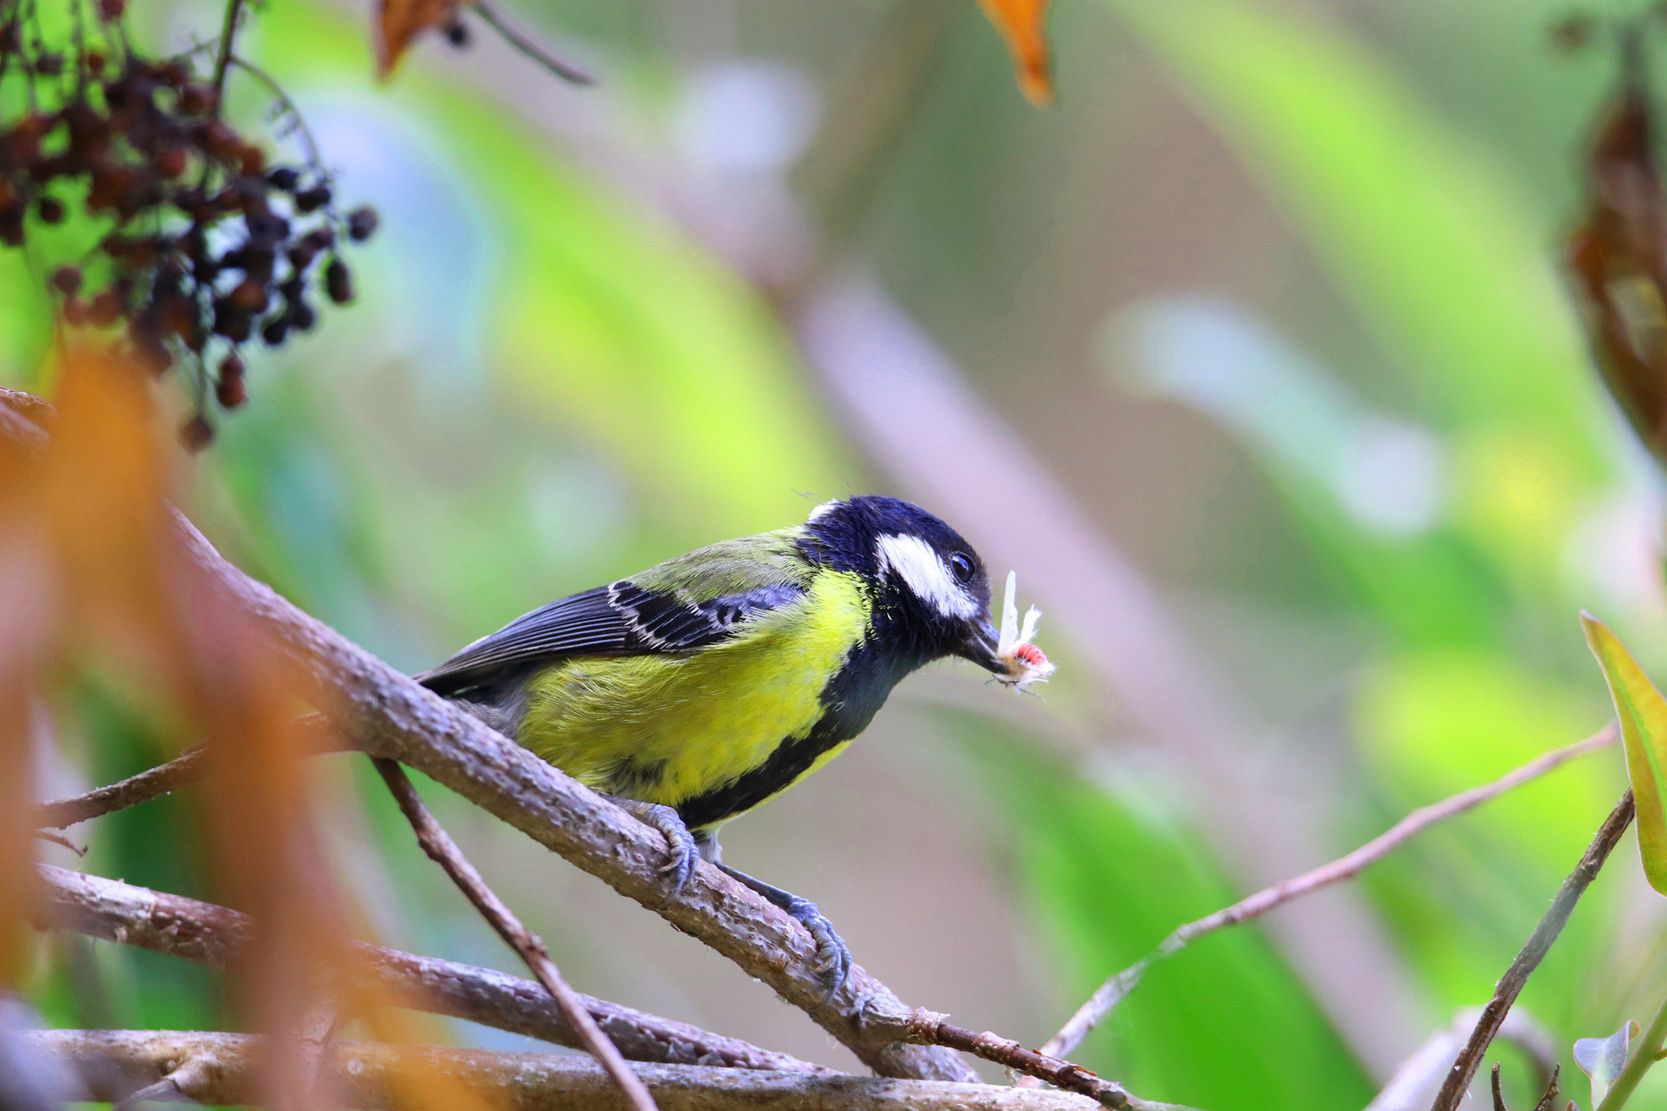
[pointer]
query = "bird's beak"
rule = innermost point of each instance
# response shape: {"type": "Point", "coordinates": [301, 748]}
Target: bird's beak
{"type": "Point", "coordinates": [979, 646]}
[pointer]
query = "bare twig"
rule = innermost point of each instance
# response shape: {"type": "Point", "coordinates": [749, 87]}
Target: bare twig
{"type": "Point", "coordinates": [1539, 942]}
{"type": "Point", "coordinates": [439, 846]}
{"type": "Point", "coordinates": [151, 783]}
{"type": "Point", "coordinates": [529, 46]}
{"type": "Point", "coordinates": [111, 1063]}
{"type": "Point", "coordinates": [212, 935]}
{"type": "Point", "coordinates": [223, 54]}
{"type": "Point", "coordinates": [1113, 991]}
{"type": "Point", "coordinates": [1416, 1080]}
{"type": "Point", "coordinates": [930, 1028]}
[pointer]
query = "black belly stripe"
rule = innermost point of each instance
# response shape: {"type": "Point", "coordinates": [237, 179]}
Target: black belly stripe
{"type": "Point", "coordinates": [791, 759]}
{"type": "Point", "coordinates": [850, 701]}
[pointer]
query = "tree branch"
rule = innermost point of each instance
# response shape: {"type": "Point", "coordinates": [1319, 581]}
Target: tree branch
{"type": "Point", "coordinates": [219, 1069]}
{"type": "Point", "coordinates": [930, 1028]}
{"type": "Point", "coordinates": [186, 768]}
{"type": "Point", "coordinates": [1533, 951]}
{"type": "Point", "coordinates": [1115, 989]}
{"type": "Point", "coordinates": [439, 846]}
{"type": "Point", "coordinates": [212, 935]}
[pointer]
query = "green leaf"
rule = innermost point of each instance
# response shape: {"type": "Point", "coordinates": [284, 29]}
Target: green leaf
{"type": "Point", "coordinates": [1603, 1058]}
{"type": "Point", "coordinates": [1642, 713]}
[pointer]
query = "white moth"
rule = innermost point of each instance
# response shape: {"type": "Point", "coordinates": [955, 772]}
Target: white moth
{"type": "Point", "coordinates": [1026, 664]}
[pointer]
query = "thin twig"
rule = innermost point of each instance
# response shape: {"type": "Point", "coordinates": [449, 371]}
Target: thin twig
{"type": "Point", "coordinates": [223, 57]}
{"type": "Point", "coordinates": [437, 843]}
{"type": "Point", "coordinates": [530, 46]}
{"type": "Point", "coordinates": [109, 1063]}
{"type": "Point", "coordinates": [1113, 991]}
{"type": "Point", "coordinates": [213, 935]}
{"type": "Point", "coordinates": [930, 1028]}
{"type": "Point", "coordinates": [1533, 951]}
{"type": "Point", "coordinates": [151, 783]}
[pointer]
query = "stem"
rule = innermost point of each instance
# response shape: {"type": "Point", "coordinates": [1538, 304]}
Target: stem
{"type": "Point", "coordinates": [222, 60]}
{"type": "Point", "coordinates": [1647, 1054]}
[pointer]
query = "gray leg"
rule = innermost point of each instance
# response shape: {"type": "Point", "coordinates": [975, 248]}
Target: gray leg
{"type": "Point", "coordinates": [833, 958]}
{"type": "Point", "coordinates": [680, 843]}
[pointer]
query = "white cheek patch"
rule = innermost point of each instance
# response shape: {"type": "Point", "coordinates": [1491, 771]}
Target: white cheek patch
{"type": "Point", "coordinates": [821, 510]}
{"type": "Point", "coordinates": [924, 573]}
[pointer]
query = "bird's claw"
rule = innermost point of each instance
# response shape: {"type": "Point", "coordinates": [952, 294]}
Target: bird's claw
{"type": "Point", "coordinates": [833, 957]}
{"type": "Point", "coordinates": [680, 843]}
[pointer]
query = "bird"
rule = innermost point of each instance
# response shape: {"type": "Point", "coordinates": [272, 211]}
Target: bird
{"type": "Point", "coordinates": [696, 690]}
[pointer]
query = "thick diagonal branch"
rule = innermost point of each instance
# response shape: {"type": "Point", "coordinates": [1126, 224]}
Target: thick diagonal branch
{"type": "Point", "coordinates": [212, 935]}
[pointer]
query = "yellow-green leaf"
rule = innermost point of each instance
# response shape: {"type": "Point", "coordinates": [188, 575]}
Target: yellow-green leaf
{"type": "Point", "coordinates": [1642, 713]}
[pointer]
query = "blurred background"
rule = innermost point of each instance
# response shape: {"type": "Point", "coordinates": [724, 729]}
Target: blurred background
{"type": "Point", "coordinates": [1252, 356]}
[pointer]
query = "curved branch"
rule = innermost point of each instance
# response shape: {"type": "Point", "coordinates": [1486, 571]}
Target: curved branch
{"type": "Point", "coordinates": [1117, 987]}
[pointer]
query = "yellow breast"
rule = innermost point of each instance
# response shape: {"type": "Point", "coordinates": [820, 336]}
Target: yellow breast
{"type": "Point", "coordinates": [669, 728]}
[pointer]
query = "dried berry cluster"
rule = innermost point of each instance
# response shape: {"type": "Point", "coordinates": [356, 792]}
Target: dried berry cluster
{"type": "Point", "coordinates": [198, 245]}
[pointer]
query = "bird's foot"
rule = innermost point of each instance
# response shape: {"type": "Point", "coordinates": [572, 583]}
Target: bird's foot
{"type": "Point", "coordinates": [682, 851]}
{"type": "Point", "coordinates": [833, 958]}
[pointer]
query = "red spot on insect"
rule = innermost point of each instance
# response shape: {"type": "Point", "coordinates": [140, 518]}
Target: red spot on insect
{"type": "Point", "coordinates": [1030, 654]}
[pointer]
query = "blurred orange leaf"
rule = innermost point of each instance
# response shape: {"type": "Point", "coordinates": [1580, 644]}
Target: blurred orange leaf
{"type": "Point", "coordinates": [1022, 22]}
{"type": "Point", "coordinates": [400, 21]}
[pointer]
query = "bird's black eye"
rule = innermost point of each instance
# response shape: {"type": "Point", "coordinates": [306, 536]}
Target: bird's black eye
{"type": "Point", "coordinates": [961, 564]}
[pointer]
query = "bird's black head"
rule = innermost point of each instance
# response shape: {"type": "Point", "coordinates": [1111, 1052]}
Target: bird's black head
{"type": "Point", "coordinates": [931, 592]}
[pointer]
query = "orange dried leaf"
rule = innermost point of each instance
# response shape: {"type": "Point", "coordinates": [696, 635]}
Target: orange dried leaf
{"type": "Point", "coordinates": [400, 21]}
{"type": "Point", "coordinates": [1022, 23]}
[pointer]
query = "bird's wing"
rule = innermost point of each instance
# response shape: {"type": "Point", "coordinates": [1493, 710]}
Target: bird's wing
{"type": "Point", "coordinates": [687, 603]}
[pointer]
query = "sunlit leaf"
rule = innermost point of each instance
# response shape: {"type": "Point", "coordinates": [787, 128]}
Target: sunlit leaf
{"type": "Point", "coordinates": [1603, 1058]}
{"type": "Point", "coordinates": [1642, 713]}
{"type": "Point", "coordinates": [1023, 24]}
{"type": "Point", "coordinates": [400, 21]}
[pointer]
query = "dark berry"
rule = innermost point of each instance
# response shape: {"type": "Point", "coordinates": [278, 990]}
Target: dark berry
{"type": "Point", "coordinates": [275, 331]}
{"type": "Point", "coordinates": [111, 9]}
{"type": "Point", "coordinates": [67, 280]}
{"type": "Point", "coordinates": [284, 177]}
{"type": "Point", "coordinates": [248, 296]}
{"type": "Point", "coordinates": [338, 282]}
{"type": "Point", "coordinates": [302, 317]}
{"type": "Point", "coordinates": [228, 386]}
{"type": "Point", "coordinates": [310, 200]}
{"type": "Point", "coordinates": [51, 210]}
{"type": "Point", "coordinates": [104, 309]}
{"type": "Point", "coordinates": [196, 433]}
{"type": "Point", "coordinates": [361, 223]}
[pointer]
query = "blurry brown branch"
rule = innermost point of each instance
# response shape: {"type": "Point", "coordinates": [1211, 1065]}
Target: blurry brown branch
{"type": "Point", "coordinates": [439, 846]}
{"type": "Point", "coordinates": [1113, 991]}
{"type": "Point", "coordinates": [212, 935]}
{"type": "Point", "coordinates": [1457, 1085]}
{"type": "Point", "coordinates": [930, 1028]}
{"type": "Point", "coordinates": [216, 1068]}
